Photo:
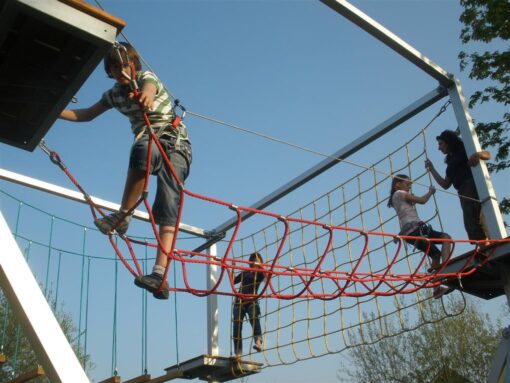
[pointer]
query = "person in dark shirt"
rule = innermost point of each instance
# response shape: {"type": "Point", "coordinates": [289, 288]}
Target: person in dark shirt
{"type": "Point", "coordinates": [248, 306]}
{"type": "Point", "coordinates": [458, 174]}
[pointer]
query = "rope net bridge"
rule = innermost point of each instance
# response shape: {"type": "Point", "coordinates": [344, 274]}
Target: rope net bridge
{"type": "Point", "coordinates": [332, 268]}
{"type": "Point", "coordinates": [287, 239]}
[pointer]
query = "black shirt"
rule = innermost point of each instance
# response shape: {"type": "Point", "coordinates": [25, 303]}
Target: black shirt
{"type": "Point", "coordinates": [457, 168]}
{"type": "Point", "coordinates": [250, 281]}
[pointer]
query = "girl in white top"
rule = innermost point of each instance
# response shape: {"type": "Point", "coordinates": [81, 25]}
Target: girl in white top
{"type": "Point", "coordinates": [404, 203]}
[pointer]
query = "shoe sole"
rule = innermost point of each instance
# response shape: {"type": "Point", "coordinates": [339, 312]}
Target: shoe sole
{"type": "Point", "coordinates": [105, 231]}
{"type": "Point", "coordinates": [99, 226]}
{"type": "Point", "coordinates": [163, 294]}
{"type": "Point", "coordinates": [258, 349]}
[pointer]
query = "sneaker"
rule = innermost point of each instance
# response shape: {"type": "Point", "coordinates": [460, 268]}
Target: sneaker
{"type": "Point", "coordinates": [151, 283]}
{"type": "Point", "coordinates": [118, 221]}
{"type": "Point", "coordinates": [257, 347]}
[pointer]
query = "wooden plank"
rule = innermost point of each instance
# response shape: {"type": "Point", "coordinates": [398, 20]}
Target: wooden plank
{"type": "Point", "coordinates": [96, 13]}
{"type": "Point", "coordinates": [168, 376]}
{"type": "Point", "coordinates": [35, 373]}
{"type": "Point", "coordinates": [113, 379]}
{"type": "Point", "coordinates": [139, 379]}
{"type": "Point", "coordinates": [215, 368]}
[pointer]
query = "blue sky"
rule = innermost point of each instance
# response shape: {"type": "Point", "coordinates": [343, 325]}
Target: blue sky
{"type": "Point", "coordinates": [291, 69]}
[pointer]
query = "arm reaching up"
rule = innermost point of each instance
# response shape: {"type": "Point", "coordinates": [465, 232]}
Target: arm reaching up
{"type": "Point", "coordinates": [445, 183]}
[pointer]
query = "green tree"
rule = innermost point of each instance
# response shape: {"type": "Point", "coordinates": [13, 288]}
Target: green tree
{"type": "Point", "coordinates": [461, 345]}
{"type": "Point", "coordinates": [15, 346]}
{"type": "Point", "coordinates": [488, 21]}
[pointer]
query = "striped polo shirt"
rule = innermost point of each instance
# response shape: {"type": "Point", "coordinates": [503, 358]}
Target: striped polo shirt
{"type": "Point", "coordinates": [160, 116]}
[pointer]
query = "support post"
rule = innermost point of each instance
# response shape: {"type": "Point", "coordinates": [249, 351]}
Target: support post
{"type": "Point", "coordinates": [212, 307]}
{"type": "Point", "coordinates": [34, 314]}
{"type": "Point", "coordinates": [490, 207]}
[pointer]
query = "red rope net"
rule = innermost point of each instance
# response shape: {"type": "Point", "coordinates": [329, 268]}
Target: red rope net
{"type": "Point", "coordinates": [323, 277]}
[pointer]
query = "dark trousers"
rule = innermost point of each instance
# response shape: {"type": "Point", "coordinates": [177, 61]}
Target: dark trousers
{"type": "Point", "coordinates": [426, 231]}
{"type": "Point", "coordinates": [471, 210]}
{"type": "Point", "coordinates": [242, 309]}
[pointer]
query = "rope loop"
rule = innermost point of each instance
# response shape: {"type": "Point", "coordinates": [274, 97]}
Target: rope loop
{"type": "Point", "coordinates": [53, 155]}
{"type": "Point", "coordinates": [55, 158]}
{"type": "Point", "coordinates": [443, 108]}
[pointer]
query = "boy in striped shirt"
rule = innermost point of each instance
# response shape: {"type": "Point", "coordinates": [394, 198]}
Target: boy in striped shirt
{"type": "Point", "coordinates": [122, 63]}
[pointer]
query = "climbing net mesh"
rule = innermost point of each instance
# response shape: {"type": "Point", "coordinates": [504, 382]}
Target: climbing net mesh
{"type": "Point", "coordinates": [335, 275]}
{"type": "Point", "coordinates": [370, 279]}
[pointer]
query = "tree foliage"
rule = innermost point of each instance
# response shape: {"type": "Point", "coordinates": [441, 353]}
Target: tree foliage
{"type": "Point", "coordinates": [15, 346]}
{"type": "Point", "coordinates": [463, 345]}
{"type": "Point", "coordinates": [488, 21]}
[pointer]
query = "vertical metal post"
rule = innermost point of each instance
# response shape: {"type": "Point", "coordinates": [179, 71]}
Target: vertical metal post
{"type": "Point", "coordinates": [34, 314]}
{"type": "Point", "coordinates": [212, 307]}
{"type": "Point", "coordinates": [483, 182]}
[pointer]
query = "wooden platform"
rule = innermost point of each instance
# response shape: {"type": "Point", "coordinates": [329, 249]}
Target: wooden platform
{"type": "Point", "coordinates": [139, 379]}
{"type": "Point", "coordinates": [488, 280]}
{"type": "Point", "coordinates": [146, 378]}
{"type": "Point", "coordinates": [113, 379]}
{"type": "Point", "coordinates": [28, 376]}
{"type": "Point", "coordinates": [216, 368]}
{"type": "Point", "coordinates": [47, 50]}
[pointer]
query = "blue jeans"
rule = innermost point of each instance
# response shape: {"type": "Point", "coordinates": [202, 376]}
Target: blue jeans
{"type": "Point", "coordinates": [242, 309]}
{"type": "Point", "coordinates": [166, 203]}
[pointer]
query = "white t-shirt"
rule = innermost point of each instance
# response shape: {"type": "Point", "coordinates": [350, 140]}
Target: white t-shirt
{"type": "Point", "coordinates": [406, 212]}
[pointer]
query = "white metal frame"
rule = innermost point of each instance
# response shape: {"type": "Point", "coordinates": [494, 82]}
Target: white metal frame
{"type": "Point", "coordinates": [77, 196]}
{"type": "Point", "coordinates": [34, 313]}
{"type": "Point", "coordinates": [448, 84]}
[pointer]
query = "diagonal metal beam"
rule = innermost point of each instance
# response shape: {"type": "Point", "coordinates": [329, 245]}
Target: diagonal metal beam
{"type": "Point", "coordinates": [34, 314]}
{"type": "Point", "coordinates": [384, 127]}
{"type": "Point", "coordinates": [76, 196]}
{"type": "Point", "coordinates": [389, 39]}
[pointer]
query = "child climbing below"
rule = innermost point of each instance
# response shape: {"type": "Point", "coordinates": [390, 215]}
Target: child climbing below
{"type": "Point", "coordinates": [458, 174]}
{"type": "Point", "coordinates": [404, 203]}
{"type": "Point", "coordinates": [122, 63]}
{"type": "Point", "coordinates": [248, 306]}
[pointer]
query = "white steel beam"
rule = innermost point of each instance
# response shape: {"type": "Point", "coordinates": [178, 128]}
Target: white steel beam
{"type": "Point", "coordinates": [77, 196]}
{"type": "Point", "coordinates": [389, 39]}
{"type": "Point", "coordinates": [212, 306]}
{"type": "Point", "coordinates": [34, 314]}
{"type": "Point", "coordinates": [486, 193]}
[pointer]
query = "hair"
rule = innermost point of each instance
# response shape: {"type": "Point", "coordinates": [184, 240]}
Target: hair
{"type": "Point", "coordinates": [453, 142]}
{"type": "Point", "coordinates": [254, 257]}
{"type": "Point", "coordinates": [113, 56]}
{"type": "Point", "coordinates": [397, 178]}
